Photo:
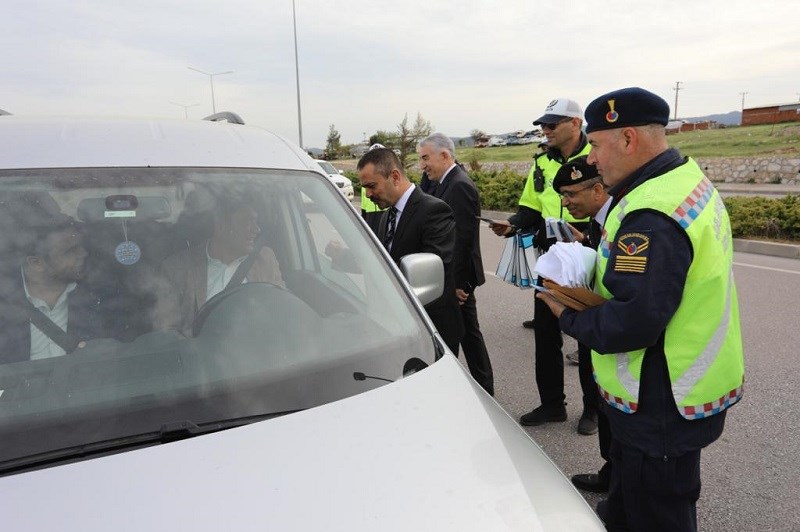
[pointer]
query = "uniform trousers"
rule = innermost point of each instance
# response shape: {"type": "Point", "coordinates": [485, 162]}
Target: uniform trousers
{"type": "Point", "coordinates": [591, 396]}
{"type": "Point", "coordinates": [592, 404]}
{"type": "Point", "coordinates": [650, 494]}
{"type": "Point", "coordinates": [474, 347]}
{"type": "Point", "coordinates": [549, 360]}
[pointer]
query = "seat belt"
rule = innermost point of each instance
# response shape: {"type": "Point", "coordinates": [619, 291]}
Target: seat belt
{"type": "Point", "coordinates": [66, 341]}
{"type": "Point", "coordinates": [243, 268]}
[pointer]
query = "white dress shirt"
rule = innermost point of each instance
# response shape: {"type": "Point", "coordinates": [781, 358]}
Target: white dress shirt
{"type": "Point", "coordinates": [41, 344]}
{"type": "Point", "coordinates": [219, 274]}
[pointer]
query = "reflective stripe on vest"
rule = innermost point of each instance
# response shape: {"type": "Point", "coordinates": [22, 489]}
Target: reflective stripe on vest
{"type": "Point", "coordinates": [702, 341]}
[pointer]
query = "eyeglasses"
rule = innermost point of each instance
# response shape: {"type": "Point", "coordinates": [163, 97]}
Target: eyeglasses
{"type": "Point", "coordinates": [551, 127]}
{"type": "Point", "coordinates": [570, 194]}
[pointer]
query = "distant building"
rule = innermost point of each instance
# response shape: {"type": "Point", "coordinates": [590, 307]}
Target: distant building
{"type": "Point", "coordinates": [771, 114]}
{"type": "Point", "coordinates": [682, 126]}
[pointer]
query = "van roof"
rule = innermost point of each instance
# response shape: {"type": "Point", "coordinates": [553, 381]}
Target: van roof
{"type": "Point", "coordinates": [74, 142]}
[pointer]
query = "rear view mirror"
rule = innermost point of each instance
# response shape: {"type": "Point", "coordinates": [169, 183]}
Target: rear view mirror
{"type": "Point", "coordinates": [140, 208]}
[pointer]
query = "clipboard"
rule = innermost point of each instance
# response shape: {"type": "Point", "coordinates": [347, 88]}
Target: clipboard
{"type": "Point", "coordinates": [576, 298]}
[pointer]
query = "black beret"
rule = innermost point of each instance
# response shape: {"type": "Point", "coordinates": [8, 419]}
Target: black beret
{"type": "Point", "coordinates": [573, 172]}
{"type": "Point", "coordinates": [633, 106]}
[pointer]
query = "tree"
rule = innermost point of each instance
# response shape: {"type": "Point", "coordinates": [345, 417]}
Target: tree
{"type": "Point", "coordinates": [386, 138]}
{"type": "Point", "coordinates": [408, 137]}
{"type": "Point", "coordinates": [334, 144]}
{"type": "Point", "coordinates": [476, 134]}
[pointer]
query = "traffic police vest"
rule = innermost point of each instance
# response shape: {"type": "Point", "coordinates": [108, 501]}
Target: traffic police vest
{"type": "Point", "coordinates": [548, 202]}
{"type": "Point", "coordinates": [367, 205]}
{"type": "Point", "coordinates": [703, 341]}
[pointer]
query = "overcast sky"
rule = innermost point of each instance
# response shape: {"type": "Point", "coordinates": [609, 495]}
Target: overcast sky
{"type": "Point", "coordinates": [492, 65]}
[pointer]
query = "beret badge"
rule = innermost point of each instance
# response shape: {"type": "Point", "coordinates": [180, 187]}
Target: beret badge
{"type": "Point", "coordinates": [611, 116]}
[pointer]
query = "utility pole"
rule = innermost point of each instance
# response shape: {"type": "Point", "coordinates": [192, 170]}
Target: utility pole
{"type": "Point", "coordinates": [676, 89]}
{"type": "Point", "coordinates": [743, 94]}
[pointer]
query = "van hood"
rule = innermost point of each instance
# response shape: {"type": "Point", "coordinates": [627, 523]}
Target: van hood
{"type": "Point", "coordinates": [431, 451]}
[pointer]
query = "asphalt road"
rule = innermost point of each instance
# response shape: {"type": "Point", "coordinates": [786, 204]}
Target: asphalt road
{"type": "Point", "coordinates": [751, 474]}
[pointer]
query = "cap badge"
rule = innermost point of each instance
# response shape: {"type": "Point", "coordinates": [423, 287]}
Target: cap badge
{"type": "Point", "coordinates": [611, 116]}
{"type": "Point", "coordinates": [550, 106]}
{"type": "Point", "coordinates": [576, 174]}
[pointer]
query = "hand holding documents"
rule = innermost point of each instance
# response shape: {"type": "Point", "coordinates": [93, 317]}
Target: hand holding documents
{"type": "Point", "coordinates": [558, 229]}
{"type": "Point", "coordinates": [568, 269]}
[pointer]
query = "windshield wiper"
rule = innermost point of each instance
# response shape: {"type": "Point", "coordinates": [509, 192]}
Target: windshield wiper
{"type": "Point", "coordinates": [169, 432]}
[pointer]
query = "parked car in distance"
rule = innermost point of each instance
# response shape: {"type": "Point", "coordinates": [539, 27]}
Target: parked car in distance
{"type": "Point", "coordinates": [343, 183]}
{"type": "Point", "coordinates": [319, 397]}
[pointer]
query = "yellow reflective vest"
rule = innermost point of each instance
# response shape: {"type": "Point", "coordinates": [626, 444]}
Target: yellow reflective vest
{"type": "Point", "coordinates": [367, 205]}
{"type": "Point", "coordinates": [703, 340]}
{"type": "Point", "coordinates": [548, 202]}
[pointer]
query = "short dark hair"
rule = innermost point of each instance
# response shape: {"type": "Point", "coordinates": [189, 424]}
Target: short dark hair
{"type": "Point", "coordinates": [27, 219]}
{"type": "Point", "coordinates": [384, 160]}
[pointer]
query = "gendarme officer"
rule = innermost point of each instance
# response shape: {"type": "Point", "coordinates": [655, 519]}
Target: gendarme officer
{"type": "Point", "coordinates": [667, 346]}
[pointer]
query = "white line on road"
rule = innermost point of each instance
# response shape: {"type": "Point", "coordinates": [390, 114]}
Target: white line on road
{"type": "Point", "coordinates": [766, 268]}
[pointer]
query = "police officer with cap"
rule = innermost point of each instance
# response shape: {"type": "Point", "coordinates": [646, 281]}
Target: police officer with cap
{"type": "Point", "coordinates": [561, 124]}
{"type": "Point", "coordinates": [667, 348]}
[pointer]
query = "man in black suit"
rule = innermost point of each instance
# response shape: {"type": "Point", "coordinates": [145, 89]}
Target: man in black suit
{"type": "Point", "coordinates": [414, 222]}
{"type": "Point", "coordinates": [451, 184]}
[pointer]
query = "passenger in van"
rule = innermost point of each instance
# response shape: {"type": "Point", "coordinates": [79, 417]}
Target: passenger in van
{"type": "Point", "coordinates": [44, 310]}
{"type": "Point", "coordinates": [205, 268]}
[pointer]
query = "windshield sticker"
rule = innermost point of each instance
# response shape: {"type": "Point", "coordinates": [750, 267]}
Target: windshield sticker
{"type": "Point", "coordinates": [128, 253]}
{"type": "Point", "coordinates": [120, 214]}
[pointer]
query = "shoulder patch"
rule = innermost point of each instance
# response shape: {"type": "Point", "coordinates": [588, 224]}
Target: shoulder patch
{"type": "Point", "coordinates": [632, 252]}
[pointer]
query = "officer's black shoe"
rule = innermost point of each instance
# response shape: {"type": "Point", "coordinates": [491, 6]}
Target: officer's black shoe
{"type": "Point", "coordinates": [528, 324]}
{"type": "Point", "coordinates": [587, 425]}
{"type": "Point", "coordinates": [544, 414]}
{"type": "Point", "coordinates": [590, 482]}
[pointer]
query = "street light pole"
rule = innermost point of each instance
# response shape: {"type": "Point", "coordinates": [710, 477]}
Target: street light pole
{"type": "Point", "coordinates": [211, 80]}
{"type": "Point", "coordinates": [185, 107]}
{"type": "Point", "coordinates": [297, 77]}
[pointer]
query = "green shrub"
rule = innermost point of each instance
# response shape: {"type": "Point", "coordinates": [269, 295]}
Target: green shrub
{"type": "Point", "coordinates": [500, 189]}
{"type": "Point", "coordinates": [764, 217]}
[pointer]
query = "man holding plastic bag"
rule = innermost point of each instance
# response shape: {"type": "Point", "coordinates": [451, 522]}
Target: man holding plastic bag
{"type": "Point", "coordinates": [561, 124]}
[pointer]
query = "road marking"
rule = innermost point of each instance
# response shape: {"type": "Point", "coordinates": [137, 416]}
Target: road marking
{"type": "Point", "coordinates": [766, 268]}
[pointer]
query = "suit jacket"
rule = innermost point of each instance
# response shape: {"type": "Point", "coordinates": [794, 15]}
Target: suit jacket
{"type": "Point", "coordinates": [461, 194]}
{"type": "Point", "coordinates": [85, 320]}
{"type": "Point", "coordinates": [187, 273]}
{"type": "Point", "coordinates": [427, 226]}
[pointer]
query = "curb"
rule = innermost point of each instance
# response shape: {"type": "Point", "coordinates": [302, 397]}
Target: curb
{"type": "Point", "coordinates": [758, 247]}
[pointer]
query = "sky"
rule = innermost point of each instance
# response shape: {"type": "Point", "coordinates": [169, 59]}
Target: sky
{"type": "Point", "coordinates": [365, 64]}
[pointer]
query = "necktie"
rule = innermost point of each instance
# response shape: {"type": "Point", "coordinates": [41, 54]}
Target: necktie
{"type": "Point", "coordinates": [387, 240]}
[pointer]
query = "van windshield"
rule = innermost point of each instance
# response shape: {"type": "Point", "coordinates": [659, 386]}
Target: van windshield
{"type": "Point", "coordinates": [132, 298]}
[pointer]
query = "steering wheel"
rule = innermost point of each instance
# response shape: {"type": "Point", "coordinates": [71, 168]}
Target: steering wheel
{"type": "Point", "coordinates": [228, 293]}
